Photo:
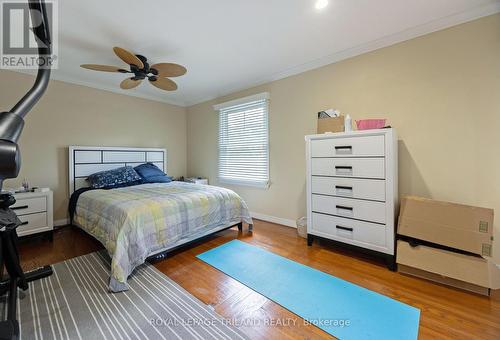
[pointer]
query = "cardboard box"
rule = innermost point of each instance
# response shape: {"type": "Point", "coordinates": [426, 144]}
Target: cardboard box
{"type": "Point", "coordinates": [469, 272]}
{"type": "Point", "coordinates": [453, 225]}
{"type": "Point", "coordinates": [332, 124]}
{"type": "Point", "coordinates": [447, 281]}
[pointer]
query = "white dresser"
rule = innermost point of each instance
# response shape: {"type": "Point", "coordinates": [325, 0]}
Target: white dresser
{"type": "Point", "coordinates": [352, 189]}
{"type": "Point", "coordinates": [34, 209]}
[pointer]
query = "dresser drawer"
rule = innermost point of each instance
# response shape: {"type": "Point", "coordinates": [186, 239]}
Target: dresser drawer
{"type": "Point", "coordinates": [349, 167]}
{"type": "Point", "coordinates": [348, 207]}
{"type": "Point", "coordinates": [30, 205]}
{"type": "Point", "coordinates": [345, 229]}
{"type": "Point", "coordinates": [363, 146]}
{"type": "Point", "coordinates": [33, 223]}
{"type": "Point", "coordinates": [370, 189]}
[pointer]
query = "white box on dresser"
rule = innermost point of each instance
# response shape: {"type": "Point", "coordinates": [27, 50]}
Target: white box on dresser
{"type": "Point", "coordinates": [35, 210]}
{"type": "Point", "coordinates": [352, 189]}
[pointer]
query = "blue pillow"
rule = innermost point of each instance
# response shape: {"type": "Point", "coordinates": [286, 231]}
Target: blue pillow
{"type": "Point", "coordinates": [150, 173]}
{"type": "Point", "coordinates": [113, 178]}
{"type": "Point", "coordinates": [158, 179]}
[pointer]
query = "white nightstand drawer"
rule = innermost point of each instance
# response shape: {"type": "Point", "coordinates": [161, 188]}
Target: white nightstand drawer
{"type": "Point", "coordinates": [349, 167]}
{"type": "Point", "coordinates": [350, 208]}
{"type": "Point", "coordinates": [365, 146]}
{"type": "Point", "coordinates": [370, 189]}
{"type": "Point", "coordinates": [343, 228]}
{"type": "Point", "coordinates": [25, 206]}
{"type": "Point", "coordinates": [33, 223]}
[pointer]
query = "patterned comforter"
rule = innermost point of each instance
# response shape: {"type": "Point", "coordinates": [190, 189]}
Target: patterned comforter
{"type": "Point", "coordinates": [135, 222]}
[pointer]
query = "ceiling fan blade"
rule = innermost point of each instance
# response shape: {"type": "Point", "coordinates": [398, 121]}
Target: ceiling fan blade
{"type": "Point", "coordinates": [130, 83]}
{"type": "Point", "coordinates": [169, 69]}
{"type": "Point", "coordinates": [128, 57]}
{"type": "Point", "coordinates": [164, 84]}
{"type": "Point", "coordinates": [105, 68]}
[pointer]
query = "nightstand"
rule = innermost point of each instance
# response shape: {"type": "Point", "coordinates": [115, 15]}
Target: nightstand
{"type": "Point", "coordinates": [34, 209]}
{"type": "Point", "coordinates": [197, 180]}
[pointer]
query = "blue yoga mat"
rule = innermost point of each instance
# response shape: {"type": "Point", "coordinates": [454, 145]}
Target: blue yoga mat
{"type": "Point", "coordinates": [340, 308]}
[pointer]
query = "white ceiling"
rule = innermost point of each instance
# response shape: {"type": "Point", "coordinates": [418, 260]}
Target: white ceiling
{"type": "Point", "coordinates": [229, 45]}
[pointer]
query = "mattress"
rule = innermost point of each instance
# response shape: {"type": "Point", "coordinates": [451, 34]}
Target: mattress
{"type": "Point", "coordinates": [137, 221]}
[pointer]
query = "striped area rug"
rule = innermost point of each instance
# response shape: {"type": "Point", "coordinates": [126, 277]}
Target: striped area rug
{"type": "Point", "coordinates": [74, 303]}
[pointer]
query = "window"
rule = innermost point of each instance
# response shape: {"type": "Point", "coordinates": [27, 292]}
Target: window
{"type": "Point", "coordinates": [244, 141]}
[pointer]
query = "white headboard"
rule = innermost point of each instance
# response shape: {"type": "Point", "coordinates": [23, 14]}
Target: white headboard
{"type": "Point", "coordinates": [86, 160]}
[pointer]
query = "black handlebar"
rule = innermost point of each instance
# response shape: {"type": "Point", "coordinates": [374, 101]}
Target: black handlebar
{"type": "Point", "coordinates": [12, 123]}
{"type": "Point", "coordinates": [38, 14]}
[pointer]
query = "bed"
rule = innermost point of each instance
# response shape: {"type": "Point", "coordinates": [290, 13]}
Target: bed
{"type": "Point", "coordinates": [140, 222]}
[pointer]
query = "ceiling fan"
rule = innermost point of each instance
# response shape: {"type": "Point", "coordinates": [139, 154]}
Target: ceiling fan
{"type": "Point", "coordinates": [157, 74]}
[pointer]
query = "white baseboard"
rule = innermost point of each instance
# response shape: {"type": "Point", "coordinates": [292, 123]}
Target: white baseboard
{"type": "Point", "coordinates": [62, 222]}
{"type": "Point", "coordinates": [274, 219]}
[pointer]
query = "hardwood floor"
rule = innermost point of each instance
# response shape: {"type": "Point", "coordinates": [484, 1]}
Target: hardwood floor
{"type": "Point", "coordinates": [446, 313]}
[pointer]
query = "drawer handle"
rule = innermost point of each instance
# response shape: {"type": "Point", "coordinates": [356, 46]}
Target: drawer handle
{"type": "Point", "coordinates": [24, 223]}
{"type": "Point", "coordinates": [344, 170]}
{"type": "Point", "coordinates": [344, 207]}
{"type": "Point", "coordinates": [344, 228]}
{"type": "Point", "coordinates": [341, 187]}
{"type": "Point", "coordinates": [20, 207]}
{"type": "Point", "coordinates": [343, 149]}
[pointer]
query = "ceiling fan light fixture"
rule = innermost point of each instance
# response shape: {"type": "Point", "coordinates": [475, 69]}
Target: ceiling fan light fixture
{"type": "Point", "coordinates": [157, 74]}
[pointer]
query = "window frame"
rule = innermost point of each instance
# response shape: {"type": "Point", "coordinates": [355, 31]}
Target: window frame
{"type": "Point", "coordinates": [264, 96]}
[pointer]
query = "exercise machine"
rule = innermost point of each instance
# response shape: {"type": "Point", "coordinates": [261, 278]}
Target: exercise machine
{"type": "Point", "coordinates": [11, 126]}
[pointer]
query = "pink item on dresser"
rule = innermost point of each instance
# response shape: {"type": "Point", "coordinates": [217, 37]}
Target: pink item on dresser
{"type": "Point", "coordinates": [369, 124]}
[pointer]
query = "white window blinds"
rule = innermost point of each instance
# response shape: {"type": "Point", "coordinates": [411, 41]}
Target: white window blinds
{"type": "Point", "coordinates": [244, 141]}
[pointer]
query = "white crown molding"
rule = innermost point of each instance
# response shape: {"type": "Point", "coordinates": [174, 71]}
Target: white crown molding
{"type": "Point", "coordinates": [118, 91]}
{"type": "Point", "coordinates": [273, 219]}
{"type": "Point", "coordinates": [389, 40]}
{"type": "Point", "coordinates": [408, 34]}
{"type": "Point", "coordinates": [239, 101]}
{"type": "Point", "coordinates": [411, 33]}
{"type": "Point", "coordinates": [64, 79]}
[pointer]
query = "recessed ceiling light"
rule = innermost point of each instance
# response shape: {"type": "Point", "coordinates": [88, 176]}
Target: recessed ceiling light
{"type": "Point", "coordinates": [320, 4]}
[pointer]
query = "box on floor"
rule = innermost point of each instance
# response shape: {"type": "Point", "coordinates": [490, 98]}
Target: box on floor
{"type": "Point", "coordinates": [455, 239]}
{"type": "Point", "coordinates": [472, 273]}
{"type": "Point", "coordinates": [454, 225]}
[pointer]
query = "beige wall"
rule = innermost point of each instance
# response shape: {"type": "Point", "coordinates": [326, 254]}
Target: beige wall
{"type": "Point", "coordinates": [440, 91]}
{"type": "Point", "coordinates": [77, 115]}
